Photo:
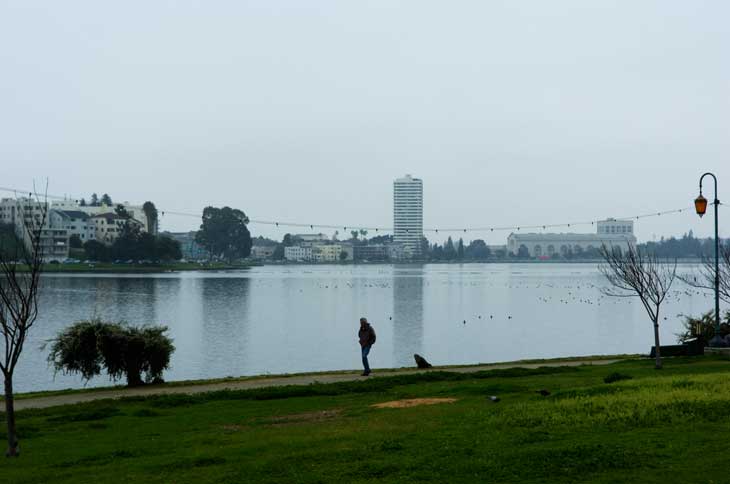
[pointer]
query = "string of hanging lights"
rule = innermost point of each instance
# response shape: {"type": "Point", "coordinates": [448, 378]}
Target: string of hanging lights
{"type": "Point", "coordinates": [379, 229]}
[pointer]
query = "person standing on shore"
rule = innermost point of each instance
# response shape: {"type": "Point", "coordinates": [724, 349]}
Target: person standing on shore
{"type": "Point", "coordinates": [367, 340]}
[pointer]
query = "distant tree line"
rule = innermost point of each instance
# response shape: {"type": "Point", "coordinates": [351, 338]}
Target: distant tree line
{"type": "Point", "coordinates": [476, 250]}
{"type": "Point", "coordinates": [687, 246]}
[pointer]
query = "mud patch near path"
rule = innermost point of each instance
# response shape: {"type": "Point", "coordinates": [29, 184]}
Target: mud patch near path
{"type": "Point", "coordinates": [413, 402]}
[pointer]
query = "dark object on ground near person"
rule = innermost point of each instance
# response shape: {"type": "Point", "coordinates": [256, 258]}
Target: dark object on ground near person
{"type": "Point", "coordinates": [421, 361]}
{"type": "Point", "coordinates": [543, 392]}
{"type": "Point", "coordinates": [695, 347]}
{"type": "Point", "coordinates": [494, 398]}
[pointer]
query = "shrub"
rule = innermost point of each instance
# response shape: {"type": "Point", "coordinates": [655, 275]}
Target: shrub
{"type": "Point", "coordinates": [615, 376]}
{"type": "Point", "coordinates": [703, 327]}
{"type": "Point", "coordinates": [124, 351]}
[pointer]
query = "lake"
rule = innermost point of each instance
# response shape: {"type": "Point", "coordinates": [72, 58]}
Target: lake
{"type": "Point", "coordinates": [285, 319]}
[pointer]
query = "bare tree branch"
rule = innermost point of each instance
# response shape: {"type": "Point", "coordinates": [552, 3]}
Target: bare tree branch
{"type": "Point", "coordinates": [705, 279]}
{"type": "Point", "coordinates": [20, 277]}
{"type": "Point", "coordinates": [632, 273]}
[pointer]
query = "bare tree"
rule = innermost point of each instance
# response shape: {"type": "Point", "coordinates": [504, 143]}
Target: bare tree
{"type": "Point", "coordinates": [634, 274]}
{"type": "Point", "coordinates": [706, 274]}
{"type": "Point", "coordinates": [20, 271]}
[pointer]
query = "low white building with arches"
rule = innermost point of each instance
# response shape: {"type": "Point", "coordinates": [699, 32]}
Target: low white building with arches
{"type": "Point", "coordinates": [610, 232]}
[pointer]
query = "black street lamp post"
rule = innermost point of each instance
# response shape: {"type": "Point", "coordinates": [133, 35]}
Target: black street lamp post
{"type": "Point", "coordinates": [701, 208]}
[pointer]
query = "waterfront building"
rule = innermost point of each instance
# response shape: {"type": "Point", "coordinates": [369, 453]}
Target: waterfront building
{"type": "Point", "coordinates": [349, 249]}
{"type": "Point", "coordinates": [326, 252]}
{"type": "Point", "coordinates": [75, 222]}
{"type": "Point", "coordinates": [298, 254]}
{"type": "Point", "coordinates": [408, 215]}
{"type": "Point", "coordinates": [109, 226]}
{"type": "Point", "coordinates": [371, 253]}
{"type": "Point", "coordinates": [396, 252]}
{"type": "Point", "coordinates": [134, 211]}
{"type": "Point", "coordinates": [54, 241]}
{"type": "Point", "coordinates": [610, 232]}
{"type": "Point", "coordinates": [262, 252]}
{"type": "Point", "coordinates": [189, 248]}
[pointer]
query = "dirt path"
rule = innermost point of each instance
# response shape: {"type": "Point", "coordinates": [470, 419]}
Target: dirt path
{"type": "Point", "coordinates": [251, 383]}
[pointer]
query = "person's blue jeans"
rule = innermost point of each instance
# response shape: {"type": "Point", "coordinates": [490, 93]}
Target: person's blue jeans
{"type": "Point", "coordinates": [365, 352]}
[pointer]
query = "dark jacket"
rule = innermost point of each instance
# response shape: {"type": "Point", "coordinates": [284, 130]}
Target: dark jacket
{"type": "Point", "coordinates": [367, 335]}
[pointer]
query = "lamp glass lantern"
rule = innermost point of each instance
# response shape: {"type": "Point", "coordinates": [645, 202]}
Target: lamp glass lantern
{"type": "Point", "coordinates": [701, 205]}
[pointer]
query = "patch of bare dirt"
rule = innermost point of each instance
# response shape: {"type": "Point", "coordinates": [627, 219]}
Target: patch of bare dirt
{"type": "Point", "coordinates": [304, 417]}
{"type": "Point", "coordinates": [413, 402]}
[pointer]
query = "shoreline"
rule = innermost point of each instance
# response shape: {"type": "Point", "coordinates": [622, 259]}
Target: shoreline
{"type": "Point", "coordinates": [283, 379]}
{"type": "Point", "coordinates": [137, 268]}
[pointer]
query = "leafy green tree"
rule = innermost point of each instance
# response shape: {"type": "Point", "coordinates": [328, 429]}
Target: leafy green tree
{"type": "Point", "coordinates": [363, 233]}
{"type": "Point", "coordinates": [354, 234]}
{"type": "Point", "coordinates": [460, 249]}
{"type": "Point", "coordinates": [425, 247]}
{"type": "Point", "coordinates": [82, 203]}
{"type": "Point", "coordinates": [97, 251]}
{"type": "Point", "coordinates": [477, 250]}
{"type": "Point", "coordinates": [523, 252]}
{"type": "Point", "coordinates": [167, 248]}
{"type": "Point", "coordinates": [128, 245]}
{"type": "Point", "coordinates": [437, 252]}
{"type": "Point", "coordinates": [224, 233]}
{"type": "Point", "coordinates": [10, 244]}
{"type": "Point", "coordinates": [94, 200]}
{"type": "Point", "coordinates": [106, 200]}
{"type": "Point", "coordinates": [449, 250]}
{"type": "Point", "coordinates": [75, 242]}
{"type": "Point", "coordinates": [122, 212]}
{"type": "Point", "coordinates": [343, 255]}
{"type": "Point", "coordinates": [381, 239]}
{"type": "Point", "coordinates": [264, 241]}
{"type": "Point", "coordinates": [150, 212]}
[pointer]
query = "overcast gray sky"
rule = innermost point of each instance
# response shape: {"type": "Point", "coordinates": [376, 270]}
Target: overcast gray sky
{"type": "Point", "coordinates": [511, 112]}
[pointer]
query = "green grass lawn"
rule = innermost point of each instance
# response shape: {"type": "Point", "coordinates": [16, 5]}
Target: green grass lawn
{"type": "Point", "coordinates": [668, 426]}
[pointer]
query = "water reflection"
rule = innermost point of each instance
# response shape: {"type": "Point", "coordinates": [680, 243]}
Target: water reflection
{"type": "Point", "coordinates": [224, 336]}
{"type": "Point", "coordinates": [407, 314]}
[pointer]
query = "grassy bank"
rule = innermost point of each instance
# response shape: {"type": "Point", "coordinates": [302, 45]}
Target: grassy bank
{"type": "Point", "coordinates": [232, 379]}
{"type": "Point", "coordinates": [659, 426]}
{"type": "Point", "coordinates": [110, 268]}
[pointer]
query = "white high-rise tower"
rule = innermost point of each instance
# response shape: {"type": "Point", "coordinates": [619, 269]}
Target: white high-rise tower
{"type": "Point", "coordinates": [408, 214]}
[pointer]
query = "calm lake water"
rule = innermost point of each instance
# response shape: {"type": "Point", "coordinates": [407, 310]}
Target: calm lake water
{"type": "Point", "coordinates": [279, 319]}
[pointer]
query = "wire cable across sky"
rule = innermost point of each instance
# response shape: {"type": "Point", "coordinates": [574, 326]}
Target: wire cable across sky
{"type": "Point", "coordinates": [379, 229]}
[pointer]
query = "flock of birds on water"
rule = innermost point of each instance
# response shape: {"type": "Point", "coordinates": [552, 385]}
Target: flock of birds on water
{"type": "Point", "coordinates": [411, 286]}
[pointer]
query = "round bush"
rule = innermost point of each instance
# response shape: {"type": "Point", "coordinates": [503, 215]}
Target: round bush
{"type": "Point", "coordinates": [124, 351]}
